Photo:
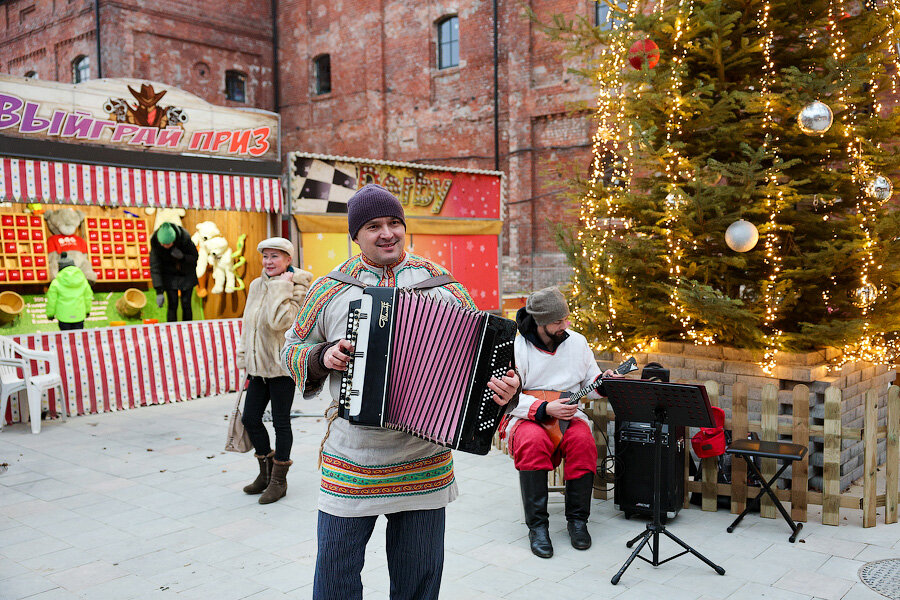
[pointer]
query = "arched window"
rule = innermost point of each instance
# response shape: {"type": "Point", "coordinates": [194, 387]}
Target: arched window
{"type": "Point", "coordinates": [235, 86]}
{"type": "Point", "coordinates": [448, 43]}
{"type": "Point", "coordinates": [81, 69]}
{"type": "Point", "coordinates": [322, 74]}
{"type": "Point", "coordinates": [32, 75]}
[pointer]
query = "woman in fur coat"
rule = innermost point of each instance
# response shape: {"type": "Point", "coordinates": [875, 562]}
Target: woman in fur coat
{"type": "Point", "coordinates": [273, 301]}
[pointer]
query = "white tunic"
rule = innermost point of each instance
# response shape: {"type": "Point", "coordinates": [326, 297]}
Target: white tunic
{"type": "Point", "coordinates": [569, 369]}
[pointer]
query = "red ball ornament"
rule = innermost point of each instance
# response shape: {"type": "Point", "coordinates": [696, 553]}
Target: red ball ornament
{"type": "Point", "coordinates": [643, 50]}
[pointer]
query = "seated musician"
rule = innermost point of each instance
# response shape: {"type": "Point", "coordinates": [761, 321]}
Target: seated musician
{"type": "Point", "coordinates": [549, 356]}
{"type": "Point", "coordinates": [368, 471]}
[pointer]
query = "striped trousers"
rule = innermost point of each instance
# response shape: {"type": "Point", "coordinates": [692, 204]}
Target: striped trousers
{"type": "Point", "coordinates": [415, 555]}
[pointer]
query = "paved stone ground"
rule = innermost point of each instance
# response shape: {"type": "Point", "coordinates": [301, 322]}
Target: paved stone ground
{"type": "Point", "coordinates": [144, 504]}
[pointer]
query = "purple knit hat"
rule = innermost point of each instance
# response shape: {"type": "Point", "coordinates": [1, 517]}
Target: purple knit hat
{"type": "Point", "coordinates": [370, 202]}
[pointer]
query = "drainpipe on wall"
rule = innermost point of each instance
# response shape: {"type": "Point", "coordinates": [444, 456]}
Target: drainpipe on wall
{"type": "Point", "coordinates": [99, 53]}
{"type": "Point", "coordinates": [276, 70]}
{"type": "Point", "coordinates": [285, 225]}
{"type": "Point", "coordinates": [496, 91]}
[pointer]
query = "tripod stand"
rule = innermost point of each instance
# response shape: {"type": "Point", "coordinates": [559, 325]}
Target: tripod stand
{"type": "Point", "coordinates": [658, 403]}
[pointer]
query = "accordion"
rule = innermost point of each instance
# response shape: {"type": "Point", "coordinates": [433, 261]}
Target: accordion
{"type": "Point", "coordinates": [421, 365]}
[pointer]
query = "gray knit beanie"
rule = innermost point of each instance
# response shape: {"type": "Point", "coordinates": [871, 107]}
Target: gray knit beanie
{"type": "Point", "coordinates": [547, 306]}
{"type": "Point", "coordinates": [370, 202]}
{"type": "Point", "coordinates": [65, 261]}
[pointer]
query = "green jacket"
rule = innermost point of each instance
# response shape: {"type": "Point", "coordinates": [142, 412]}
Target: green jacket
{"type": "Point", "coordinates": [69, 297]}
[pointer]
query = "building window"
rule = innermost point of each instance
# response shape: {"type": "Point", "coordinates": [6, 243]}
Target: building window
{"type": "Point", "coordinates": [322, 74]}
{"type": "Point", "coordinates": [32, 75]}
{"type": "Point", "coordinates": [81, 69]}
{"type": "Point", "coordinates": [25, 13]}
{"type": "Point", "coordinates": [603, 17]}
{"type": "Point", "coordinates": [235, 84]}
{"type": "Point", "coordinates": [448, 43]}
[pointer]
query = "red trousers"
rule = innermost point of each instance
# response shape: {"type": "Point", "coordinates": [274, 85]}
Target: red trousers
{"type": "Point", "coordinates": [531, 449]}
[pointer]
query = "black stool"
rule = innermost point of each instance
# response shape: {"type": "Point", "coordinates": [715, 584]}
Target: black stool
{"type": "Point", "coordinates": [778, 450]}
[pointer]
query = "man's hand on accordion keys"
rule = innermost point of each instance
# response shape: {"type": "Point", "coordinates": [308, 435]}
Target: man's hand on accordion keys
{"type": "Point", "coordinates": [505, 387]}
{"type": "Point", "coordinates": [338, 356]}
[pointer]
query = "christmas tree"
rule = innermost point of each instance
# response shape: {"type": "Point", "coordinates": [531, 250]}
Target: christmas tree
{"type": "Point", "coordinates": [721, 122]}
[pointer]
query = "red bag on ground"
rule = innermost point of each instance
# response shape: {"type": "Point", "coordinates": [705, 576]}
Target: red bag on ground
{"type": "Point", "coordinates": [710, 441]}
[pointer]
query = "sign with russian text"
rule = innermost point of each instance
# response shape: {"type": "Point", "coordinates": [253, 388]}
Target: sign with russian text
{"type": "Point", "coordinates": [136, 115]}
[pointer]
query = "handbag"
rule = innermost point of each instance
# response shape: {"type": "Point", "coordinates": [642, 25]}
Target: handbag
{"type": "Point", "coordinates": [237, 439]}
{"type": "Point", "coordinates": [710, 441]}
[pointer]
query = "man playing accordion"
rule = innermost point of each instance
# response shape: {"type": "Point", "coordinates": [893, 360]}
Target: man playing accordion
{"type": "Point", "coordinates": [368, 471]}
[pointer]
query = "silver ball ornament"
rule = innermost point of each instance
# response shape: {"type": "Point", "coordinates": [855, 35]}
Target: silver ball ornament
{"type": "Point", "coordinates": [741, 236]}
{"type": "Point", "coordinates": [879, 188]}
{"type": "Point", "coordinates": [865, 295]}
{"type": "Point", "coordinates": [815, 118]}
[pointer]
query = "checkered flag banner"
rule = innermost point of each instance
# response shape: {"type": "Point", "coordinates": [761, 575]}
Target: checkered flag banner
{"type": "Point", "coordinates": [324, 186]}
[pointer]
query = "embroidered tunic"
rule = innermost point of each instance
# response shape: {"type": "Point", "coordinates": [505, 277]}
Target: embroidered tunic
{"type": "Point", "coordinates": [369, 470]}
{"type": "Point", "coordinates": [541, 370]}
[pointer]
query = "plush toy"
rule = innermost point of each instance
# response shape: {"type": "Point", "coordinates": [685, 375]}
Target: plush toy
{"type": "Point", "coordinates": [206, 230]}
{"type": "Point", "coordinates": [166, 215]}
{"type": "Point", "coordinates": [220, 259]}
{"type": "Point", "coordinates": [65, 225]}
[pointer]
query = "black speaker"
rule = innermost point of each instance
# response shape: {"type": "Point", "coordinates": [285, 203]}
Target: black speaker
{"type": "Point", "coordinates": [655, 372]}
{"type": "Point", "coordinates": [635, 454]}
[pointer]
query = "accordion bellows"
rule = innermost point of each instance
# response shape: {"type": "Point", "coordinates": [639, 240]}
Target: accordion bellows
{"type": "Point", "coordinates": [421, 365]}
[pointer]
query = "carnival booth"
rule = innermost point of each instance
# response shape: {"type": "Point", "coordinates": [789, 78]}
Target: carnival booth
{"type": "Point", "coordinates": [93, 170]}
{"type": "Point", "coordinates": [453, 216]}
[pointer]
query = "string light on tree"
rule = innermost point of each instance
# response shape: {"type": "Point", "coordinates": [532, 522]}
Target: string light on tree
{"type": "Point", "coordinates": [815, 118]}
{"type": "Point", "coordinates": [707, 133]}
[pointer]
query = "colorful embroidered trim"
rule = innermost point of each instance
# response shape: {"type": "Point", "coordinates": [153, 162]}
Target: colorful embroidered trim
{"type": "Point", "coordinates": [346, 479]}
{"type": "Point", "coordinates": [295, 362]}
{"type": "Point", "coordinates": [321, 292]}
{"type": "Point", "coordinates": [458, 291]}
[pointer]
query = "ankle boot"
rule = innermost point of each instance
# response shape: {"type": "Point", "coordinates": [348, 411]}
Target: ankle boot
{"type": "Point", "coordinates": [578, 509]}
{"type": "Point", "coordinates": [534, 499]}
{"type": "Point", "coordinates": [262, 480]}
{"type": "Point", "coordinates": [277, 482]}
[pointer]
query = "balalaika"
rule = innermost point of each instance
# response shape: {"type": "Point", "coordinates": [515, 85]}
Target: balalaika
{"type": "Point", "coordinates": [421, 365]}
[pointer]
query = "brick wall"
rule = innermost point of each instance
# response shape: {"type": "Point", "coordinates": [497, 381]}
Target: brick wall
{"type": "Point", "coordinates": [189, 45]}
{"type": "Point", "coordinates": [388, 99]}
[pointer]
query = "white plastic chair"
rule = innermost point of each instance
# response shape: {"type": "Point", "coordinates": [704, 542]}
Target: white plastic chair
{"type": "Point", "coordinates": [15, 358]}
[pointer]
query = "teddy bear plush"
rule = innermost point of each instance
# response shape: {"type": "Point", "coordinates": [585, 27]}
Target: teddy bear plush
{"type": "Point", "coordinates": [220, 259]}
{"type": "Point", "coordinates": [166, 215]}
{"type": "Point", "coordinates": [206, 230]}
{"type": "Point", "coordinates": [65, 228]}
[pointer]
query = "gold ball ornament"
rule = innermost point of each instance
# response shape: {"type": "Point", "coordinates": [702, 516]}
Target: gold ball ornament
{"type": "Point", "coordinates": [865, 295]}
{"type": "Point", "coordinates": [815, 118]}
{"type": "Point", "coordinates": [741, 236]}
{"type": "Point", "coordinates": [879, 188]}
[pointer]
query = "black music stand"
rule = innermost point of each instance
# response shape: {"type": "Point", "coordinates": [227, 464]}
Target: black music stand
{"type": "Point", "coordinates": [661, 404]}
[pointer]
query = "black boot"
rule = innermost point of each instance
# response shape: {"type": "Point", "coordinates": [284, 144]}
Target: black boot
{"type": "Point", "coordinates": [578, 509]}
{"type": "Point", "coordinates": [534, 499]}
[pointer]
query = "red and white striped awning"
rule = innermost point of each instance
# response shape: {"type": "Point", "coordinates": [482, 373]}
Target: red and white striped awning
{"type": "Point", "coordinates": [26, 180]}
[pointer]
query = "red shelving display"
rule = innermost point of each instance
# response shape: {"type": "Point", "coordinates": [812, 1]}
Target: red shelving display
{"type": "Point", "coordinates": [118, 248]}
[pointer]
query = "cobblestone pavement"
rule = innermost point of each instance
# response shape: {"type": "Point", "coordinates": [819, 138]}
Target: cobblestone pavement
{"type": "Point", "coordinates": [145, 504]}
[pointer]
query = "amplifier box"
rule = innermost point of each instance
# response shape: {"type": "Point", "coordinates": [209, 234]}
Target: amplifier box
{"type": "Point", "coordinates": [635, 456]}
